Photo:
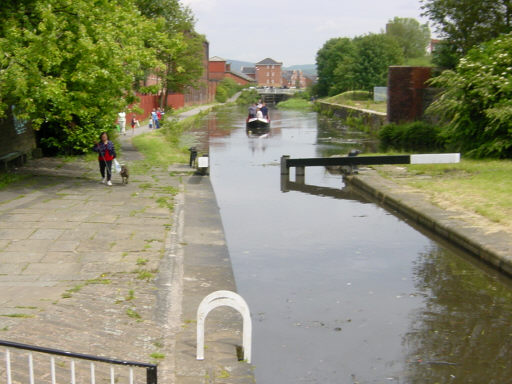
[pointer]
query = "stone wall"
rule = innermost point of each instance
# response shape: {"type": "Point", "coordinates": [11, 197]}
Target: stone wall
{"type": "Point", "coordinates": [373, 119]}
{"type": "Point", "coordinates": [16, 135]}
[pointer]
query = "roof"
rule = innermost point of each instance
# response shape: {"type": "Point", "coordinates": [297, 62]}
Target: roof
{"type": "Point", "coordinates": [249, 70]}
{"type": "Point", "coordinates": [241, 75]}
{"type": "Point", "coordinates": [268, 61]}
{"type": "Point", "coordinates": [217, 58]}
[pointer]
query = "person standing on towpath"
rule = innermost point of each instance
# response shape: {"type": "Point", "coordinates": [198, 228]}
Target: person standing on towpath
{"type": "Point", "coordinates": [106, 153]}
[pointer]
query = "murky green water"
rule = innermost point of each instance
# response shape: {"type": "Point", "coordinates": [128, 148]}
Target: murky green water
{"type": "Point", "coordinates": [340, 290]}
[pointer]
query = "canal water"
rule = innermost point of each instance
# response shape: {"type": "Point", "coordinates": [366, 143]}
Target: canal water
{"type": "Point", "coordinates": [341, 290]}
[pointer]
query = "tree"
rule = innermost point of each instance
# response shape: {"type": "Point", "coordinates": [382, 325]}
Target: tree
{"type": "Point", "coordinates": [412, 36]}
{"type": "Point", "coordinates": [374, 54]}
{"type": "Point", "coordinates": [468, 23]}
{"type": "Point", "coordinates": [179, 47]}
{"type": "Point", "coordinates": [68, 66]}
{"type": "Point", "coordinates": [343, 75]}
{"type": "Point", "coordinates": [360, 63]}
{"type": "Point", "coordinates": [327, 59]}
{"type": "Point", "coordinates": [476, 104]}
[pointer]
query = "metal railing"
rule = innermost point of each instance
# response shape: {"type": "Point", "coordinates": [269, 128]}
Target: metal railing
{"type": "Point", "coordinates": [151, 369]}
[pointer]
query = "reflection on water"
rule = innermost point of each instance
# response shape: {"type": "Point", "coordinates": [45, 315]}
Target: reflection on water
{"type": "Point", "coordinates": [463, 330]}
{"type": "Point", "coordinates": [340, 290]}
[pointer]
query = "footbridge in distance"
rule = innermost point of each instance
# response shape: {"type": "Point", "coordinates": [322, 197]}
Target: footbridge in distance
{"type": "Point", "coordinates": [275, 95]}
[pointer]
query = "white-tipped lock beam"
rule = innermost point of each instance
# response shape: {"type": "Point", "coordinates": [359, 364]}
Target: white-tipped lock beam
{"type": "Point", "coordinates": [436, 158]}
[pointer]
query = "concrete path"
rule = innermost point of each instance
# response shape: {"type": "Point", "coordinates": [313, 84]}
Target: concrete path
{"type": "Point", "coordinates": [117, 271]}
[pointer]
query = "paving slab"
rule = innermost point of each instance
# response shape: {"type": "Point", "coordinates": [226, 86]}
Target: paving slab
{"type": "Point", "coordinates": [108, 271]}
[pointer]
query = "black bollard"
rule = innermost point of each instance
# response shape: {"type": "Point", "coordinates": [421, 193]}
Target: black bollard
{"type": "Point", "coordinates": [193, 156]}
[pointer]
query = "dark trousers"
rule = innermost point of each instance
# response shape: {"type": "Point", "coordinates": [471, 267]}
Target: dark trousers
{"type": "Point", "coordinates": [108, 165]}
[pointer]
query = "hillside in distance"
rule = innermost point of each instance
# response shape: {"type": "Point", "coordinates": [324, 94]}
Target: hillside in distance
{"type": "Point", "coordinates": [307, 69]}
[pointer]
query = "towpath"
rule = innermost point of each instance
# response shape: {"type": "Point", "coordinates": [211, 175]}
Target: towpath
{"type": "Point", "coordinates": [117, 271]}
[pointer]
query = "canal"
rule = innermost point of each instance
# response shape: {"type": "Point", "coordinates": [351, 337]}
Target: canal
{"type": "Point", "coordinates": [341, 290]}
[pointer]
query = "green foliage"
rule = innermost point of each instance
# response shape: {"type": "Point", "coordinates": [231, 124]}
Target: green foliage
{"type": "Point", "coordinates": [416, 136]}
{"type": "Point", "coordinates": [410, 35]}
{"type": "Point", "coordinates": [476, 104]}
{"type": "Point", "coordinates": [69, 66]}
{"type": "Point", "coordinates": [226, 88]}
{"type": "Point", "coordinates": [358, 99]}
{"type": "Point", "coordinates": [9, 178]}
{"type": "Point", "coordinates": [178, 46]}
{"type": "Point", "coordinates": [248, 97]}
{"type": "Point", "coordinates": [375, 53]}
{"type": "Point", "coordinates": [467, 23]}
{"type": "Point", "coordinates": [297, 103]}
{"type": "Point", "coordinates": [421, 61]}
{"type": "Point", "coordinates": [351, 95]}
{"type": "Point", "coordinates": [359, 63]}
{"type": "Point", "coordinates": [221, 94]}
{"type": "Point", "coordinates": [336, 52]}
{"type": "Point", "coordinates": [445, 55]}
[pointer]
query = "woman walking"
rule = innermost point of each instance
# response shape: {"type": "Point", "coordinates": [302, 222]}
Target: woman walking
{"type": "Point", "coordinates": [106, 153]}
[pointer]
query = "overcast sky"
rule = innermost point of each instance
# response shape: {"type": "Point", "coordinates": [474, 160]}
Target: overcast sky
{"type": "Point", "coordinates": [290, 31]}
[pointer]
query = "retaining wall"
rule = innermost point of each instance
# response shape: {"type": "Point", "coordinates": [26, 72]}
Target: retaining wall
{"type": "Point", "coordinates": [373, 119]}
{"type": "Point", "coordinates": [493, 248]}
{"type": "Point", "coordinates": [16, 135]}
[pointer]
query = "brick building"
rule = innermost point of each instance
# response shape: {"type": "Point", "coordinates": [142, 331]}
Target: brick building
{"type": "Point", "coordinates": [219, 69]}
{"type": "Point", "coordinates": [296, 79]}
{"type": "Point", "coordinates": [269, 73]}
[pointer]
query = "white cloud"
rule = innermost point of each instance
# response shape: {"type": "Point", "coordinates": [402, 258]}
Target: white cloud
{"type": "Point", "coordinates": [200, 5]}
{"type": "Point", "coordinates": [288, 30]}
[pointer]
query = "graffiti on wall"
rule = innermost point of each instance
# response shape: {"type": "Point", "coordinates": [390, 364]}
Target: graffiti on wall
{"type": "Point", "coordinates": [20, 125]}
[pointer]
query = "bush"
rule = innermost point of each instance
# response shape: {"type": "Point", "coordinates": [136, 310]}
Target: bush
{"type": "Point", "coordinates": [476, 102]}
{"type": "Point", "coordinates": [248, 97]}
{"type": "Point", "coordinates": [221, 95]}
{"type": "Point", "coordinates": [415, 136]}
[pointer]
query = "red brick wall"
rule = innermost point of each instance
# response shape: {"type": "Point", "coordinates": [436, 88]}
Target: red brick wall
{"type": "Point", "coordinates": [176, 100]}
{"type": "Point", "coordinates": [216, 67]}
{"type": "Point", "coordinates": [147, 103]}
{"type": "Point", "coordinates": [405, 92]}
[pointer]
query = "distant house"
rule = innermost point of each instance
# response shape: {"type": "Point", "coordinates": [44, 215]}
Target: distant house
{"type": "Point", "coordinates": [296, 79]}
{"type": "Point", "coordinates": [432, 45]}
{"type": "Point", "coordinates": [219, 69]}
{"type": "Point", "coordinates": [268, 73]}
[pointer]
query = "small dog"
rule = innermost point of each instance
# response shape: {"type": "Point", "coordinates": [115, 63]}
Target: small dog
{"type": "Point", "coordinates": [125, 174]}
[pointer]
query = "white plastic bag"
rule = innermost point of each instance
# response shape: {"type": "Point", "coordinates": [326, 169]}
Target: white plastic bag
{"type": "Point", "coordinates": [117, 166]}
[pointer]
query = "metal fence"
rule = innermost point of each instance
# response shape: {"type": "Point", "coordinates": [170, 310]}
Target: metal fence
{"type": "Point", "coordinates": [23, 363]}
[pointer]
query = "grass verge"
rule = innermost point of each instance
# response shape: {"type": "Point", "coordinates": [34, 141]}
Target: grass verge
{"type": "Point", "coordinates": [480, 187]}
{"type": "Point", "coordinates": [358, 99]}
{"type": "Point", "coordinates": [164, 146]}
{"type": "Point", "coordinates": [295, 103]}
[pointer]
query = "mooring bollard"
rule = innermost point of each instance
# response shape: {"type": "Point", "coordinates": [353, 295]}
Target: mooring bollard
{"type": "Point", "coordinates": [229, 299]}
